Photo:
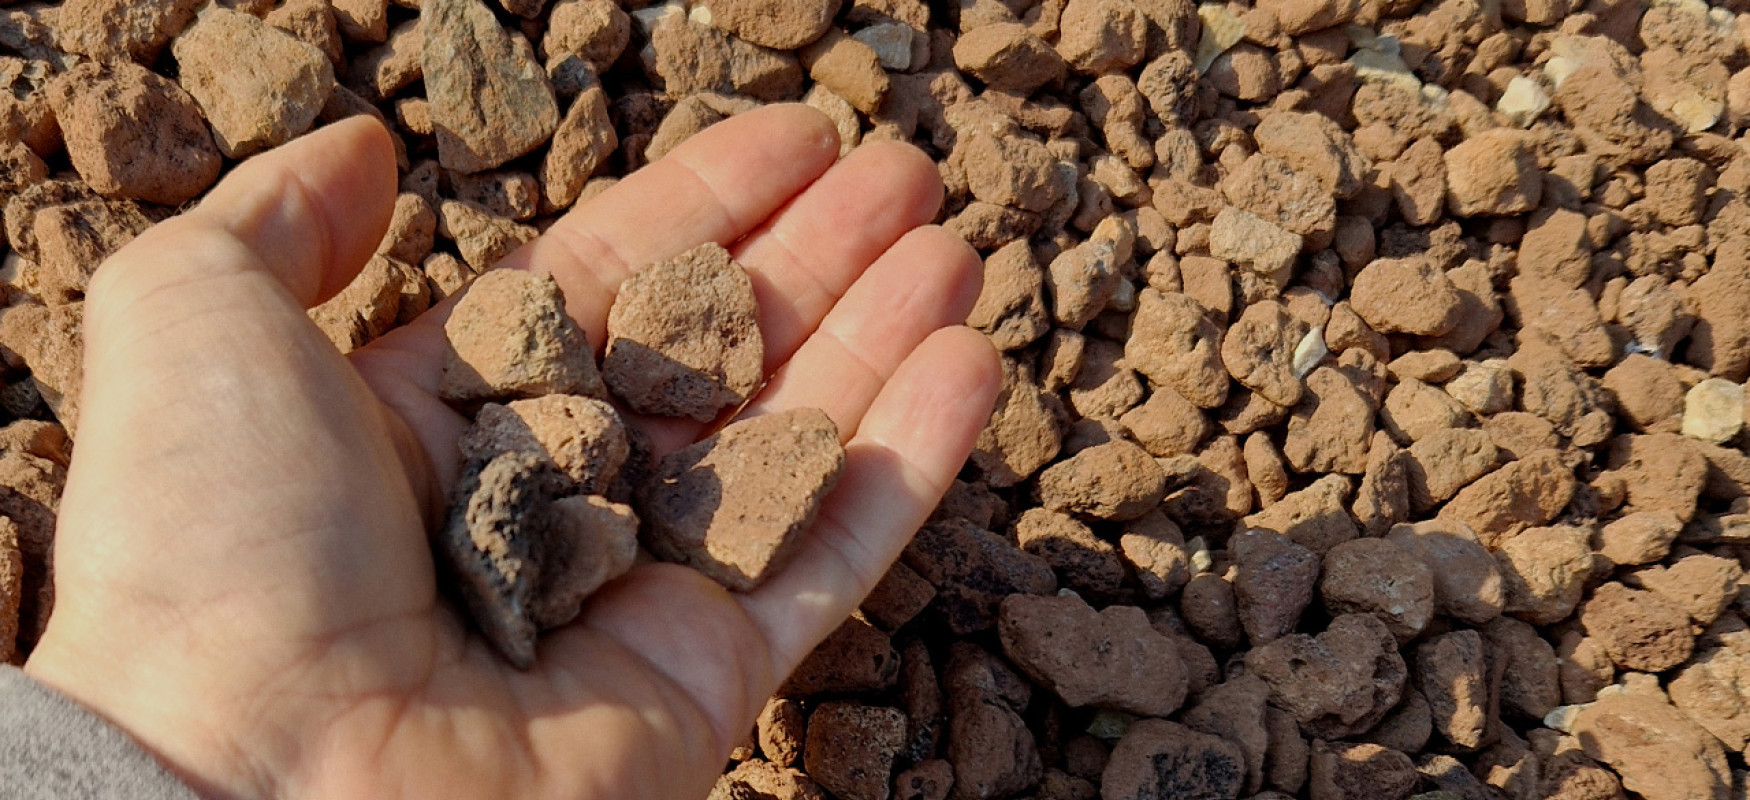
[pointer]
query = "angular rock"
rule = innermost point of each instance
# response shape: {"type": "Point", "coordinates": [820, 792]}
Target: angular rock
{"type": "Point", "coordinates": [1174, 343]}
{"type": "Point", "coordinates": [582, 437]}
{"type": "Point", "coordinates": [131, 133]}
{"type": "Point", "coordinates": [973, 570]}
{"type": "Point", "coordinates": [1161, 759]}
{"type": "Point", "coordinates": [1339, 683]}
{"type": "Point", "coordinates": [1274, 583]}
{"type": "Point", "coordinates": [1467, 579]}
{"type": "Point", "coordinates": [1110, 659]}
{"type": "Point", "coordinates": [262, 107]}
{"type": "Point", "coordinates": [1376, 576]}
{"type": "Point", "coordinates": [1117, 480]}
{"type": "Point", "coordinates": [1638, 630]}
{"type": "Point", "coordinates": [736, 505]}
{"type": "Point", "coordinates": [1259, 352]}
{"type": "Point", "coordinates": [1544, 571]}
{"type": "Point", "coordinates": [490, 99]}
{"type": "Point", "coordinates": [510, 338]}
{"type": "Point", "coordinates": [851, 747]}
{"type": "Point", "coordinates": [684, 337]}
{"type": "Point", "coordinates": [1660, 753]}
{"type": "Point", "coordinates": [1453, 675]}
{"type": "Point", "coordinates": [1406, 295]}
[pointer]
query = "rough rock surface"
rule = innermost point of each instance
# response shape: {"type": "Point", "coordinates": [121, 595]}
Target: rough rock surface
{"type": "Point", "coordinates": [736, 505]}
{"type": "Point", "coordinates": [133, 134]}
{"type": "Point", "coordinates": [1110, 658]}
{"type": "Point", "coordinates": [490, 99]}
{"type": "Point", "coordinates": [278, 97]}
{"type": "Point", "coordinates": [684, 337]}
{"type": "Point", "coordinates": [510, 338]}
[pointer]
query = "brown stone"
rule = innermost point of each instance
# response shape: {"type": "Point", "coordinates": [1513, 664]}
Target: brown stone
{"type": "Point", "coordinates": [1378, 577]}
{"type": "Point", "coordinates": [1117, 480]}
{"type": "Point", "coordinates": [582, 437]}
{"type": "Point", "coordinates": [1639, 630]}
{"type": "Point", "coordinates": [1406, 295]}
{"type": "Point", "coordinates": [1660, 753]}
{"type": "Point", "coordinates": [1467, 580]}
{"type": "Point", "coordinates": [510, 338]}
{"type": "Point", "coordinates": [684, 337]}
{"type": "Point", "coordinates": [973, 570]}
{"type": "Point", "coordinates": [490, 99]}
{"type": "Point", "coordinates": [1344, 771]}
{"type": "Point", "coordinates": [1159, 759]}
{"type": "Point", "coordinates": [1274, 582]}
{"type": "Point", "coordinates": [1111, 658]}
{"type": "Point", "coordinates": [1338, 683]}
{"type": "Point", "coordinates": [131, 133]}
{"type": "Point", "coordinates": [1174, 343]}
{"type": "Point", "coordinates": [255, 109]}
{"type": "Point", "coordinates": [851, 747]}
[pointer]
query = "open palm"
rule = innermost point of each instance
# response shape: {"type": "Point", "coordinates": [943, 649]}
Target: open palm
{"type": "Point", "coordinates": [242, 566]}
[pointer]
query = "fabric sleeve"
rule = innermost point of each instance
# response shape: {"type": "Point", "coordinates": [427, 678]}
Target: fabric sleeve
{"type": "Point", "coordinates": [53, 749]}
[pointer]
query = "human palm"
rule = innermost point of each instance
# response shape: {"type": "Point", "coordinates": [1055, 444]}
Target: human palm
{"type": "Point", "coordinates": [243, 577]}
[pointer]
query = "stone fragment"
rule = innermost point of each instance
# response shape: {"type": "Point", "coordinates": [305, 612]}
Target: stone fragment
{"type": "Point", "coordinates": [851, 747]}
{"type": "Point", "coordinates": [1376, 576]}
{"type": "Point", "coordinates": [1330, 428]}
{"type": "Point", "coordinates": [1098, 37]}
{"type": "Point", "coordinates": [973, 570]}
{"type": "Point", "coordinates": [1160, 759]}
{"type": "Point", "coordinates": [1527, 492]}
{"type": "Point", "coordinates": [769, 23]}
{"type": "Point", "coordinates": [1117, 480]}
{"type": "Point", "coordinates": [1663, 472]}
{"type": "Point", "coordinates": [592, 540]}
{"type": "Point", "coordinates": [1713, 410]}
{"type": "Point", "coordinates": [1345, 771]}
{"type": "Point", "coordinates": [1110, 659]}
{"type": "Point", "coordinates": [1166, 424]}
{"type": "Point", "coordinates": [114, 30]}
{"type": "Point", "coordinates": [1453, 675]}
{"type": "Point", "coordinates": [1258, 351]}
{"type": "Point", "coordinates": [582, 437]}
{"type": "Point", "coordinates": [582, 144]}
{"type": "Point", "coordinates": [1011, 170]}
{"type": "Point", "coordinates": [1084, 563]}
{"type": "Point", "coordinates": [1081, 281]}
{"type": "Point", "coordinates": [1660, 753]}
{"type": "Point", "coordinates": [993, 753]}
{"type": "Point", "coordinates": [1406, 295]}
{"type": "Point", "coordinates": [1709, 690]}
{"type": "Point", "coordinates": [1339, 683]}
{"type": "Point", "coordinates": [266, 106]}
{"type": "Point", "coordinates": [684, 338]}
{"type": "Point", "coordinates": [761, 779]}
{"type": "Point", "coordinates": [1011, 306]}
{"type": "Point", "coordinates": [1008, 56]}
{"type": "Point", "coordinates": [1245, 238]}
{"type": "Point", "coordinates": [856, 657]}
{"type": "Point", "coordinates": [1299, 18]}
{"type": "Point", "coordinates": [1235, 710]}
{"type": "Point", "coordinates": [1155, 549]}
{"type": "Point", "coordinates": [900, 596]}
{"type": "Point", "coordinates": [1023, 433]}
{"type": "Point", "coordinates": [1530, 678]}
{"type": "Point", "coordinates": [1315, 517]}
{"type": "Point", "coordinates": [781, 730]}
{"type": "Point", "coordinates": [1174, 343]}
{"type": "Point", "coordinates": [1484, 387]}
{"type": "Point", "coordinates": [491, 547]}
{"type": "Point", "coordinates": [736, 505]}
{"type": "Point", "coordinates": [510, 338]}
{"type": "Point", "coordinates": [133, 134]}
{"type": "Point", "coordinates": [483, 238]}
{"type": "Point", "coordinates": [1639, 630]}
{"type": "Point", "coordinates": [412, 230]}
{"type": "Point", "coordinates": [490, 98]}
{"type": "Point", "coordinates": [926, 780]}
{"type": "Point", "coordinates": [1443, 463]}
{"type": "Point", "coordinates": [1701, 584]}
{"type": "Point", "coordinates": [1641, 537]}
{"type": "Point", "coordinates": [1544, 571]}
{"type": "Point", "coordinates": [1467, 580]}
{"type": "Point", "coordinates": [1493, 173]}
{"type": "Point", "coordinates": [1274, 583]}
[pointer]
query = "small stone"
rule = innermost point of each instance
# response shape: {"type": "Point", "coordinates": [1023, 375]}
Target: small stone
{"type": "Point", "coordinates": [1406, 295]}
{"type": "Point", "coordinates": [490, 99]}
{"type": "Point", "coordinates": [1523, 101]}
{"type": "Point", "coordinates": [259, 108]}
{"type": "Point", "coordinates": [1155, 549]}
{"type": "Point", "coordinates": [1167, 424]}
{"type": "Point", "coordinates": [1160, 759]}
{"type": "Point", "coordinates": [596, 31]}
{"type": "Point", "coordinates": [785, 25]}
{"type": "Point", "coordinates": [491, 545]}
{"type": "Point", "coordinates": [1467, 580]}
{"type": "Point", "coordinates": [1097, 37]}
{"type": "Point", "coordinates": [1527, 492]}
{"type": "Point", "coordinates": [1117, 480]}
{"type": "Point", "coordinates": [1008, 56]}
{"type": "Point", "coordinates": [1023, 433]}
{"type": "Point", "coordinates": [1081, 281]}
{"type": "Point", "coordinates": [1484, 387]}
{"type": "Point", "coordinates": [1299, 18]}
{"type": "Point", "coordinates": [1236, 711]}
{"type": "Point", "coordinates": [926, 780]}
{"type": "Point", "coordinates": [900, 596]}
{"type": "Point", "coordinates": [1246, 238]}
{"type": "Point", "coordinates": [1344, 771]}
{"type": "Point", "coordinates": [762, 779]}
{"type": "Point", "coordinates": [366, 308]}
{"type": "Point", "coordinates": [592, 541]}
{"type": "Point", "coordinates": [1013, 170]}
{"type": "Point", "coordinates": [131, 133]}
{"type": "Point", "coordinates": [1174, 343]}
{"type": "Point", "coordinates": [737, 505]}
{"type": "Point", "coordinates": [973, 570]}
{"type": "Point", "coordinates": [510, 337]}
{"type": "Point", "coordinates": [1314, 517]}
{"type": "Point", "coordinates": [780, 730]}
{"type": "Point", "coordinates": [1084, 563]}
{"type": "Point", "coordinates": [856, 657]}
{"type": "Point", "coordinates": [851, 747]}
{"type": "Point", "coordinates": [1453, 676]}
{"type": "Point", "coordinates": [1376, 576]}
{"type": "Point", "coordinates": [993, 753]}
{"type": "Point", "coordinates": [1639, 538]}
{"type": "Point", "coordinates": [1110, 659]}
{"type": "Point", "coordinates": [1660, 753]}
{"type": "Point", "coordinates": [849, 68]}
{"type": "Point", "coordinates": [1339, 683]}
{"type": "Point", "coordinates": [483, 238]}
{"type": "Point", "coordinates": [1443, 463]}
{"type": "Point", "coordinates": [1544, 571]}
{"type": "Point", "coordinates": [1493, 173]}
{"type": "Point", "coordinates": [582, 143]}
{"type": "Point", "coordinates": [582, 437]}
{"type": "Point", "coordinates": [684, 338]}
{"type": "Point", "coordinates": [114, 30]}
{"type": "Point", "coordinates": [1530, 676]}
{"type": "Point", "coordinates": [412, 229]}
{"type": "Point", "coordinates": [1708, 692]}
{"type": "Point", "coordinates": [1258, 351]}
{"type": "Point", "coordinates": [1639, 630]}
{"type": "Point", "coordinates": [1663, 471]}
{"type": "Point", "coordinates": [1713, 410]}
{"type": "Point", "coordinates": [1274, 583]}
{"type": "Point", "coordinates": [1701, 584]}
{"type": "Point", "coordinates": [1331, 426]}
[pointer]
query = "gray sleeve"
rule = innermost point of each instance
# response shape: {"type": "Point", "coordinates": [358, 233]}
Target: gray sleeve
{"type": "Point", "coordinates": [53, 749]}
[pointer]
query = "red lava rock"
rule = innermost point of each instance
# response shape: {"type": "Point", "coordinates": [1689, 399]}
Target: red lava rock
{"type": "Point", "coordinates": [1117, 481]}
{"type": "Point", "coordinates": [927, 780]}
{"type": "Point", "coordinates": [133, 134]}
{"type": "Point", "coordinates": [768, 23]}
{"type": "Point", "coordinates": [781, 729]}
{"type": "Point", "coordinates": [1660, 753]}
{"type": "Point", "coordinates": [1662, 470]}
{"type": "Point", "coordinates": [1154, 547]}
{"type": "Point", "coordinates": [1342, 771]}
{"type": "Point", "coordinates": [1339, 683]}
{"type": "Point", "coordinates": [736, 506]}
{"type": "Point", "coordinates": [856, 657]}
{"type": "Point", "coordinates": [901, 595]}
{"type": "Point", "coordinates": [851, 747]}
{"type": "Point", "coordinates": [1376, 576]}
{"type": "Point", "coordinates": [1543, 571]}
{"type": "Point", "coordinates": [762, 779]}
{"type": "Point", "coordinates": [1236, 711]}
{"type": "Point", "coordinates": [510, 337]}
{"type": "Point", "coordinates": [1408, 295]}
{"type": "Point", "coordinates": [1453, 675]}
{"type": "Point", "coordinates": [581, 436]}
{"type": "Point", "coordinates": [992, 751]}
{"type": "Point", "coordinates": [491, 547]}
{"type": "Point", "coordinates": [1638, 630]}
{"type": "Point", "coordinates": [1011, 306]}
{"type": "Point", "coordinates": [973, 570]}
{"type": "Point", "coordinates": [1274, 583]}
{"type": "Point", "coordinates": [112, 30]}
{"type": "Point", "coordinates": [1530, 679]}
{"type": "Point", "coordinates": [261, 108]}
{"type": "Point", "coordinates": [1492, 173]}
{"type": "Point", "coordinates": [1111, 658]}
{"type": "Point", "coordinates": [1259, 352]}
{"type": "Point", "coordinates": [1175, 344]}
{"type": "Point", "coordinates": [1084, 562]}
{"type": "Point", "coordinates": [684, 338]}
{"type": "Point", "coordinates": [1527, 492]}
{"type": "Point", "coordinates": [1331, 426]}
{"type": "Point", "coordinates": [1008, 56]}
{"type": "Point", "coordinates": [1315, 517]}
{"type": "Point", "coordinates": [11, 588]}
{"type": "Point", "coordinates": [480, 236]}
{"type": "Point", "coordinates": [1467, 579]}
{"type": "Point", "coordinates": [1157, 758]}
{"type": "Point", "coordinates": [490, 99]}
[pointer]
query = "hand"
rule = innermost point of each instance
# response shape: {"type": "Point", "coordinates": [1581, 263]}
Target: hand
{"type": "Point", "coordinates": [242, 567]}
